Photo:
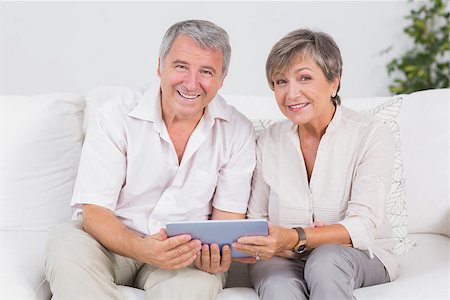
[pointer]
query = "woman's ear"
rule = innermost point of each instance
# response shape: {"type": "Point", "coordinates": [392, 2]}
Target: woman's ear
{"type": "Point", "coordinates": [335, 85]}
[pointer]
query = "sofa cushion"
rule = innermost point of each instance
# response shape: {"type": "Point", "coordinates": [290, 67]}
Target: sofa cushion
{"type": "Point", "coordinates": [22, 256]}
{"type": "Point", "coordinates": [388, 112]}
{"type": "Point", "coordinates": [425, 130]}
{"type": "Point", "coordinates": [424, 272]}
{"type": "Point", "coordinates": [40, 146]}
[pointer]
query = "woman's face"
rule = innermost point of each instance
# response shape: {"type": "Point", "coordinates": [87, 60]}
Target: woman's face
{"type": "Point", "coordinates": [303, 93]}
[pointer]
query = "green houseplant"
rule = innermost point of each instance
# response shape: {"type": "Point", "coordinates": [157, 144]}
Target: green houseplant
{"type": "Point", "coordinates": [426, 64]}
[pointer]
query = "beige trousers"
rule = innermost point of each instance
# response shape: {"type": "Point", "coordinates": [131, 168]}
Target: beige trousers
{"type": "Point", "coordinates": [79, 267]}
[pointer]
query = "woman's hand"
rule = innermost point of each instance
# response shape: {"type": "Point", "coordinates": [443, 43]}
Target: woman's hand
{"type": "Point", "coordinates": [278, 242]}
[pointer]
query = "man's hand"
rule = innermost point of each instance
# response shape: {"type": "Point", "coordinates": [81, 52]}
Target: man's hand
{"type": "Point", "coordinates": [158, 250]}
{"type": "Point", "coordinates": [210, 261]}
{"type": "Point", "coordinates": [169, 253]}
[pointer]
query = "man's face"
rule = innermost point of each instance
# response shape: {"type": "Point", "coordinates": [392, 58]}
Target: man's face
{"type": "Point", "coordinates": [190, 79]}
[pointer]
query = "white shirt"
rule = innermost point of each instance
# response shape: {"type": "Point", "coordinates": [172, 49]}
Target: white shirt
{"type": "Point", "coordinates": [129, 164]}
{"type": "Point", "coordinates": [349, 184]}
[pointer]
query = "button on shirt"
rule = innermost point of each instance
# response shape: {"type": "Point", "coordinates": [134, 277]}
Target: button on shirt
{"type": "Point", "coordinates": [129, 164]}
{"type": "Point", "coordinates": [349, 184]}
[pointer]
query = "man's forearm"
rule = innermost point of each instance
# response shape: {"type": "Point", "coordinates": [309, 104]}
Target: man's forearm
{"type": "Point", "coordinates": [104, 226]}
{"type": "Point", "coordinates": [224, 215]}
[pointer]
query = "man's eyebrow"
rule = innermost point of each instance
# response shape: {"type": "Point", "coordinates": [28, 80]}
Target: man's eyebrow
{"type": "Point", "coordinates": [179, 61]}
{"type": "Point", "coordinates": [209, 68]}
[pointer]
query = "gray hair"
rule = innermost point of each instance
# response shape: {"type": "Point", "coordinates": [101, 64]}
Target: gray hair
{"type": "Point", "coordinates": [206, 34]}
{"type": "Point", "coordinates": [306, 43]}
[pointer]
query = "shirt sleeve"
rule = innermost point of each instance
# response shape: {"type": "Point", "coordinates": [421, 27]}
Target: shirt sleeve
{"type": "Point", "coordinates": [366, 211]}
{"type": "Point", "coordinates": [259, 197]}
{"type": "Point", "coordinates": [234, 179]}
{"type": "Point", "coordinates": [102, 169]}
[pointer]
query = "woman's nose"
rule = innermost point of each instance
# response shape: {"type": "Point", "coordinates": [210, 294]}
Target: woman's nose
{"type": "Point", "coordinates": [293, 90]}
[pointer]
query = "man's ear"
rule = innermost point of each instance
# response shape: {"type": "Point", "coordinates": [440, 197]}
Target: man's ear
{"type": "Point", "coordinates": [221, 81]}
{"type": "Point", "coordinates": [158, 70]}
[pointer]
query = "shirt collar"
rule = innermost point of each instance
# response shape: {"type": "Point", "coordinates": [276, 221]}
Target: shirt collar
{"type": "Point", "coordinates": [148, 107]}
{"type": "Point", "coordinates": [335, 120]}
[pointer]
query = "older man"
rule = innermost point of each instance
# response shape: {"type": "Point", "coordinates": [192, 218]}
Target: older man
{"type": "Point", "coordinates": [176, 152]}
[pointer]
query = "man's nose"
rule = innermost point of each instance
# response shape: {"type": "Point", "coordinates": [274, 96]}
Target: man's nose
{"type": "Point", "coordinates": [191, 80]}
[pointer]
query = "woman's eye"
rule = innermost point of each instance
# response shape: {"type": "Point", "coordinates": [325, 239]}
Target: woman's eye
{"type": "Point", "coordinates": [305, 78]}
{"type": "Point", "coordinates": [280, 82]}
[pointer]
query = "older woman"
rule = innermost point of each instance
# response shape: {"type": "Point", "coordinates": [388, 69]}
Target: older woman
{"type": "Point", "coordinates": [322, 179]}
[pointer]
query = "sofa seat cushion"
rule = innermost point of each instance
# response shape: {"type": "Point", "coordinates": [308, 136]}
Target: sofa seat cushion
{"type": "Point", "coordinates": [22, 258]}
{"type": "Point", "coordinates": [236, 293]}
{"type": "Point", "coordinates": [424, 272]}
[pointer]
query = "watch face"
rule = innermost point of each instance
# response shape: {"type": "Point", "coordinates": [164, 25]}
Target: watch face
{"type": "Point", "coordinates": [301, 249]}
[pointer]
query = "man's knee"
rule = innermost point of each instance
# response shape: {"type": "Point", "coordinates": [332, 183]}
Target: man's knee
{"type": "Point", "coordinates": [187, 283]}
{"type": "Point", "coordinates": [201, 278]}
{"type": "Point", "coordinates": [69, 248]}
{"type": "Point", "coordinates": [281, 287]}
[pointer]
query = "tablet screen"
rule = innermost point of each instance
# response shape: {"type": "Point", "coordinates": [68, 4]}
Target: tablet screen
{"type": "Point", "coordinates": [221, 232]}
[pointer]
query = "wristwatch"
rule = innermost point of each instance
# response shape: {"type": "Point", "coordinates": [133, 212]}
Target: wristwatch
{"type": "Point", "coordinates": [301, 245]}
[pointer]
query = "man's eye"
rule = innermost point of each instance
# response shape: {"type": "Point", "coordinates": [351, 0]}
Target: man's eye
{"type": "Point", "coordinates": [181, 67]}
{"type": "Point", "coordinates": [206, 72]}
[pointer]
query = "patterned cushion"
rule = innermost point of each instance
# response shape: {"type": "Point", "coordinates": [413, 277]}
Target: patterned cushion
{"type": "Point", "coordinates": [388, 112]}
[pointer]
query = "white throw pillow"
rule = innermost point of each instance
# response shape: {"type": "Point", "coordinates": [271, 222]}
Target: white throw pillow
{"type": "Point", "coordinates": [40, 144]}
{"type": "Point", "coordinates": [388, 112]}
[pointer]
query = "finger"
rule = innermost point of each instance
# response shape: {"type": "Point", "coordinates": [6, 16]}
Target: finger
{"type": "Point", "coordinates": [215, 257]}
{"type": "Point", "coordinates": [176, 241]}
{"type": "Point", "coordinates": [198, 261]}
{"type": "Point", "coordinates": [245, 260]}
{"type": "Point", "coordinates": [182, 261]}
{"type": "Point", "coordinates": [250, 250]}
{"type": "Point", "coordinates": [253, 240]}
{"type": "Point", "coordinates": [163, 234]}
{"type": "Point", "coordinates": [184, 254]}
{"type": "Point", "coordinates": [226, 258]}
{"type": "Point", "coordinates": [206, 256]}
{"type": "Point", "coordinates": [191, 247]}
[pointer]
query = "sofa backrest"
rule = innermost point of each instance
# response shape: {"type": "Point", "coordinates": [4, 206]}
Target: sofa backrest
{"type": "Point", "coordinates": [40, 144]}
{"type": "Point", "coordinates": [41, 139]}
{"type": "Point", "coordinates": [425, 132]}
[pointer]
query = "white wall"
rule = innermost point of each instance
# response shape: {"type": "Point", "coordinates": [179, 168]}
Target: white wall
{"type": "Point", "coordinates": [76, 46]}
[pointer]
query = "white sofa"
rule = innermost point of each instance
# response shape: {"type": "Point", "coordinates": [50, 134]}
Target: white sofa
{"type": "Point", "coordinates": [40, 142]}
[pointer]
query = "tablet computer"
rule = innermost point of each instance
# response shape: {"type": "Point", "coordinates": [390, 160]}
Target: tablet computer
{"type": "Point", "coordinates": [220, 232]}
